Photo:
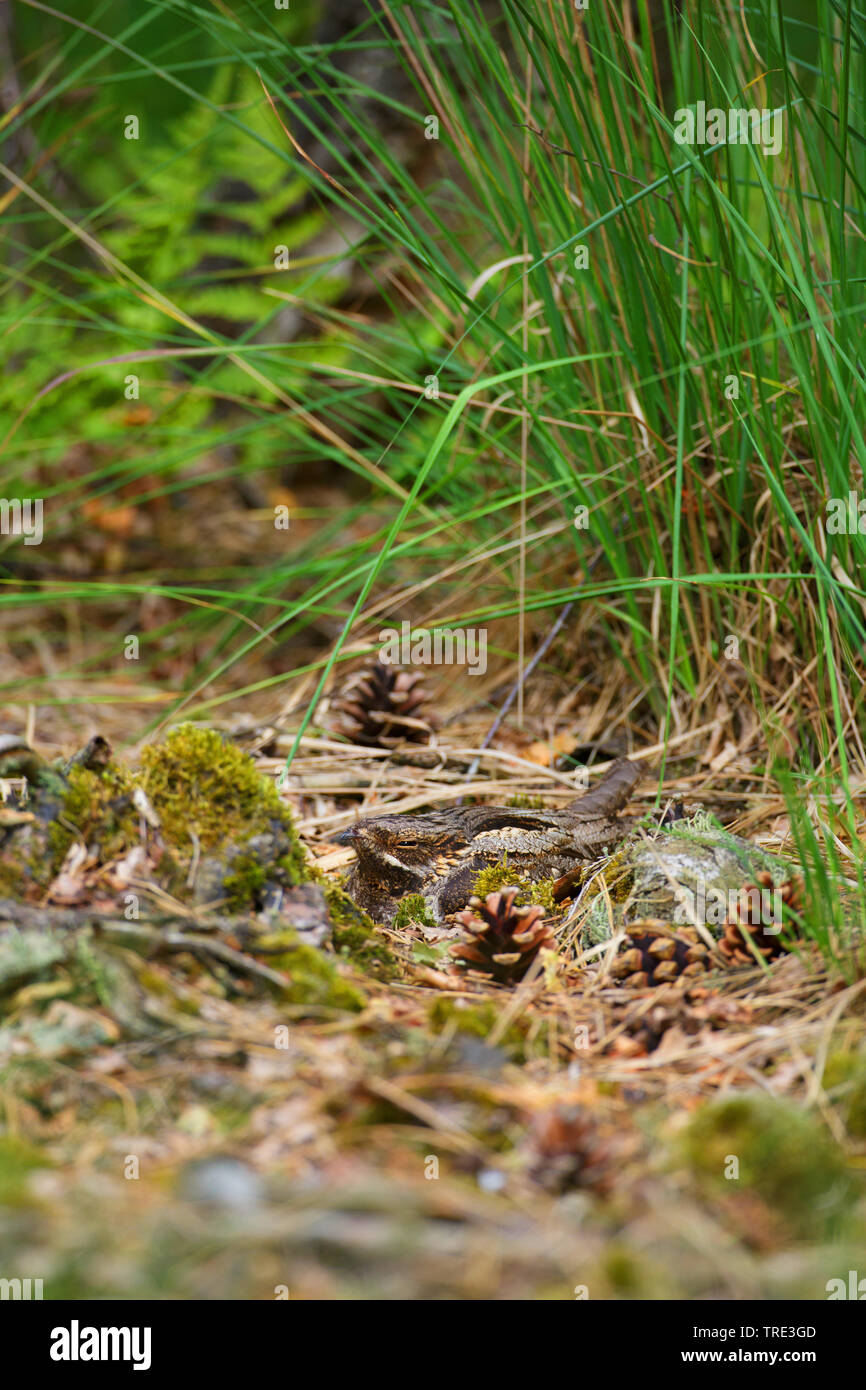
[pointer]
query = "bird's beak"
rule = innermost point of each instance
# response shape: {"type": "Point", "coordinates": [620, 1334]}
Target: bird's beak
{"type": "Point", "coordinates": [347, 836]}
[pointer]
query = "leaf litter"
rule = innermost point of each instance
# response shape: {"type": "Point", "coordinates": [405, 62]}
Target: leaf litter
{"type": "Point", "coordinates": [243, 1086]}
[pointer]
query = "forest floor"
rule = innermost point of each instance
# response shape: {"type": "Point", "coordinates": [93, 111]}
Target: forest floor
{"type": "Point", "coordinates": [203, 1102]}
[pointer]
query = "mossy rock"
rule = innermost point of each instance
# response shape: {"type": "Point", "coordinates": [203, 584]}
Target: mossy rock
{"type": "Point", "coordinates": [98, 810]}
{"type": "Point", "coordinates": [27, 955]}
{"type": "Point", "coordinates": [694, 868]}
{"type": "Point", "coordinates": [29, 854]}
{"type": "Point", "coordinates": [355, 937]}
{"type": "Point", "coordinates": [783, 1154]}
{"type": "Point", "coordinates": [211, 802]}
{"type": "Point", "coordinates": [18, 759]}
{"type": "Point", "coordinates": [313, 978]}
{"type": "Point", "coordinates": [199, 782]}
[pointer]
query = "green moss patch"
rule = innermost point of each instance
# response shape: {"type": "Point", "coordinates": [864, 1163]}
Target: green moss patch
{"type": "Point", "coordinates": [355, 937]}
{"type": "Point", "coordinates": [18, 1162]}
{"type": "Point", "coordinates": [98, 810]}
{"type": "Point", "coordinates": [780, 1152]}
{"type": "Point", "coordinates": [501, 875]}
{"type": "Point", "coordinates": [520, 1039]}
{"type": "Point", "coordinates": [211, 801]}
{"type": "Point", "coordinates": [845, 1082]}
{"type": "Point", "coordinates": [197, 781]}
{"type": "Point", "coordinates": [312, 977]}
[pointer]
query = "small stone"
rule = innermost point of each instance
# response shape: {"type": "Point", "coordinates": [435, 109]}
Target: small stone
{"type": "Point", "coordinates": [224, 1182]}
{"type": "Point", "coordinates": [491, 1180]}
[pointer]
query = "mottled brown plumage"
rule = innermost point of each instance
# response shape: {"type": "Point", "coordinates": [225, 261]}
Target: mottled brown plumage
{"type": "Point", "coordinates": [439, 855]}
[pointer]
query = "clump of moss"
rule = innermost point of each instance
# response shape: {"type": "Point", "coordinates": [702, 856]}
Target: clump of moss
{"type": "Point", "coordinates": [200, 783]}
{"type": "Point", "coordinates": [413, 908]}
{"type": "Point", "coordinates": [523, 802]}
{"type": "Point", "coordinates": [210, 799]}
{"type": "Point", "coordinates": [96, 808]}
{"type": "Point", "coordinates": [313, 977]}
{"type": "Point", "coordinates": [617, 877]}
{"type": "Point", "coordinates": [628, 1276]}
{"type": "Point", "coordinates": [612, 885]}
{"type": "Point", "coordinates": [246, 882]}
{"type": "Point", "coordinates": [14, 878]}
{"type": "Point", "coordinates": [198, 780]}
{"type": "Point", "coordinates": [855, 1109]}
{"type": "Point", "coordinates": [845, 1082]}
{"type": "Point", "coordinates": [479, 1021]}
{"type": "Point", "coordinates": [18, 1162]}
{"type": "Point", "coordinates": [355, 937]}
{"type": "Point", "coordinates": [499, 876]}
{"type": "Point", "coordinates": [782, 1153]}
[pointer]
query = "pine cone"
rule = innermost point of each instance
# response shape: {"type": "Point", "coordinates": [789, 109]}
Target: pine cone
{"type": "Point", "coordinates": [653, 954]}
{"type": "Point", "coordinates": [644, 1032]}
{"type": "Point", "coordinates": [760, 906]}
{"type": "Point", "coordinates": [505, 939]}
{"type": "Point", "coordinates": [379, 707]}
{"type": "Point", "coordinates": [569, 1149]}
{"type": "Point", "coordinates": [698, 1011]}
